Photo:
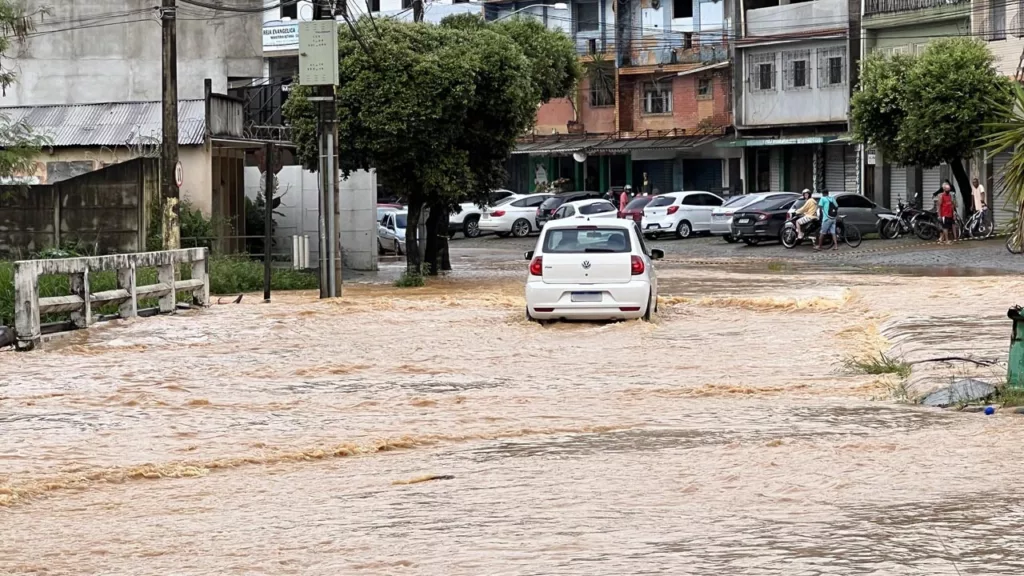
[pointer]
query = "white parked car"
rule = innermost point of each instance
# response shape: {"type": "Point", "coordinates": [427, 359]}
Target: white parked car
{"type": "Point", "coordinates": [591, 269]}
{"type": "Point", "coordinates": [721, 217]}
{"type": "Point", "coordinates": [467, 219]}
{"type": "Point", "coordinates": [391, 232]}
{"type": "Point", "coordinates": [592, 208]}
{"type": "Point", "coordinates": [518, 217]}
{"type": "Point", "coordinates": [681, 213]}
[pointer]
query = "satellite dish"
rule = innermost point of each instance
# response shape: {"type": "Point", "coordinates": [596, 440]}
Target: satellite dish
{"type": "Point", "coordinates": [579, 157]}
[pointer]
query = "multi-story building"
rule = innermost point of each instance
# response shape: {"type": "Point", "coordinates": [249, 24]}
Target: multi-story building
{"type": "Point", "coordinates": [794, 73]}
{"type": "Point", "coordinates": [655, 96]}
{"type": "Point", "coordinates": [906, 27]}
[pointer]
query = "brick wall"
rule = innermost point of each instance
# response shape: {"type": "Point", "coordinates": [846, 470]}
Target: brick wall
{"type": "Point", "coordinates": [687, 110]}
{"type": "Point", "coordinates": [553, 116]}
{"type": "Point", "coordinates": [595, 119]}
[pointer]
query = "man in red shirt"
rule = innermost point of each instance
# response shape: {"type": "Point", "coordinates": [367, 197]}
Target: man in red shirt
{"type": "Point", "coordinates": [946, 213]}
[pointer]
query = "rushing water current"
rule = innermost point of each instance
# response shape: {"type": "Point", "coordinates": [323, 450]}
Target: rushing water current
{"type": "Point", "coordinates": [435, 431]}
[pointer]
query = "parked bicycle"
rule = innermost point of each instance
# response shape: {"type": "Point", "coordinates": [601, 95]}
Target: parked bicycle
{"type": "Point", "coordinates": [979, 225]}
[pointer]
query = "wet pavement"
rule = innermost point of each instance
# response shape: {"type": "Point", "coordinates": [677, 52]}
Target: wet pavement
{"type": "Point", "coordinates": [725, 437]}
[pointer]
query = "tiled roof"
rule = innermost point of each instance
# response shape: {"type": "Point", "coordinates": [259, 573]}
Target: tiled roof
{"type": "Point", "coordinates": [110, 124]}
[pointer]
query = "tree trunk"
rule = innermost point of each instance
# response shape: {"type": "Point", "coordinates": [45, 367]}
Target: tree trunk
{"type": "Point", "coordinates": [412, 232]}
{"type": "Point", "coordinates": [433, 237]}
{"type": "Point", "coordinates": [963, 181]}
{"type": "Point", "coordinates": [442, 236]}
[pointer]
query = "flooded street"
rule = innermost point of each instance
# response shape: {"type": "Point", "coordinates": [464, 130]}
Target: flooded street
{"type": "Point", "coordinates": [723, 438]}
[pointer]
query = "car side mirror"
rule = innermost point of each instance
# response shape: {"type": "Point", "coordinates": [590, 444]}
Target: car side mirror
{"type": "Point", "coordinates": [657, 254]}
{"type": "Point", "coordinates": [528, 255]}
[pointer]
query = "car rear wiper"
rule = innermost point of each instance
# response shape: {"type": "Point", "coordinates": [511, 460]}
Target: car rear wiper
{"type": "Point", "coordinates": [598, 250]}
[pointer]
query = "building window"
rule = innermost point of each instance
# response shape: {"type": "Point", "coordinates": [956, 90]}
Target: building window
{"type": "Point", "coordinates": [406, 4]}
{"type": "Point", "coordinates": [762, 71]}
{"type": "Point", "coordinates": [832, 66]}
{"type": "Point", "coordinates": [587, 16]}
{"type": "Point", "coordinates": [374, 5]}
{"type": "Point", "coordinates": [705, 90]}
{"type": "Point", "coordinates": [657, 97]}
{"type": "Point", "coordinates": [682, 8]}
{"type": "Point", "coordinates": [290, 10]}
{"type": "Point", "coordinates": [996, 20]}
{"type": "Point", "coordinates": [920, 48]}
{"type": "Point", "coordinates": [602, 92]}
{"type": "Point", "coordinates": [797, 69]}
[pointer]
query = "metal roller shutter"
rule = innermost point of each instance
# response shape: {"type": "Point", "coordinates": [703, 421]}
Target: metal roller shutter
{"type": "Point", "coordinates": [1002, 209]}
{"type": "Point", "coordinates": [659, 174]}
{"type": "Point", "coordinates": [931, 179]}
{"type": "Point", "coordinates": [835, 168]}
{"type": "Point", "coordinates": [775, 175]}
{"type": "Point", "coordinates": [702, 175]}
{"type": "Point", "coordinates": [851, 169]}
{"type": "Point", "coordinates": [897, 185]}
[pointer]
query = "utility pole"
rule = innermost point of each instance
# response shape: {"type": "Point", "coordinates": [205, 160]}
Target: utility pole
{"type": "Point", "coordinates": [268, 216]}
{"type": "Point", "coordinates": [417, 10]}
{"type": "Point", "coordinates": [169, 147]}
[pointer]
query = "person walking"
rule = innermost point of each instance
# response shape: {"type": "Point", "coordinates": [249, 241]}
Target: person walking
{"type": "Point", "coordinates": [829, 214]}
{"type": "Point", "coordinates": [947, 213]}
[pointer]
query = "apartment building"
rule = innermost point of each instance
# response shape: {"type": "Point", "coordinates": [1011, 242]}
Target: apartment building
{"type": "Point", "coordinates": [906, 27]}
{"type": "Point", "coordinates": [794, 74]}
{"type": "Point", "coordinates": [656, 95]}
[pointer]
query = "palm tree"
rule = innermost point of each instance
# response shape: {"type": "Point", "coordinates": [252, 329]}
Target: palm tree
{"type": "Point", "coordinates": [1008, 134]}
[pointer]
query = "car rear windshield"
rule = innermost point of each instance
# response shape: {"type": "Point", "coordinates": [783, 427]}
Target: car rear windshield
{"type": "Point", "coordinates": [586, 240]}
{"type": "Point", "coordinates": [638, 203]}
{"type": "Point", "coordinates": [769, 205]}
{"type": "Point", "coordinates": [552, 203]}
{"type": "Point", "coordinates": [736, 200]}
{"type": "Point", "coordinates": [597, 208]}
{"type": "Point", "coordinates": [661, 201]}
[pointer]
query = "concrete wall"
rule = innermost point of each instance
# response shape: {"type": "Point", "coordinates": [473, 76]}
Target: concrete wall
{"type": "Point", "coordinates": [120, 60]}
{"type": "Point", "coordinates": [299, 213]}
{"type": "Point", "coordinates": [808, 105]}
{"type": "Point", "coordinates": [1007, 43]}
{"type": "Point", "coordinates": [105, 209]}
{"type": "Point", "coordinates": [912, 39]}
{"type": "Point", "coordinates": [799, 18]}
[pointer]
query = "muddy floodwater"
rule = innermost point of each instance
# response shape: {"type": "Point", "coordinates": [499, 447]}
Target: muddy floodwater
{"type": "Point", "coordinates": [725, 437]}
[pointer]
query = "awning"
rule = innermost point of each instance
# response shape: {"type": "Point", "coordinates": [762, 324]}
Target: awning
{"type": "Point", "coordinates": [608, 146]}
{"type": "Point", "coordinates": [752, 142]}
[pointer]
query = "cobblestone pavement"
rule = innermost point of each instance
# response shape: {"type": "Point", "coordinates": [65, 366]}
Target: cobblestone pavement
{"type": "Point", "coordinates": [983, 256]}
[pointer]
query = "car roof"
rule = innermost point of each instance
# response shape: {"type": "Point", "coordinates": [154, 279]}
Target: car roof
{"type": "Point", "coordinates": [586, 201]}
{"type": "Point", "coordinates": [577, 222]}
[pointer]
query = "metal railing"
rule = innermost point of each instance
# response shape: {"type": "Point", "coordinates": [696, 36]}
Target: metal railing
{"type": "Point", "coordinates": [872, 7]}
{"type": "Point", "coordinates": [29, 307]}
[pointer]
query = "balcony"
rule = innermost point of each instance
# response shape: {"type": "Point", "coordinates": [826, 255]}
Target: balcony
{"type": "Point", "coordinates": [596, 41]}
{"type": "Point", "coordinates": [791, 19]}
{"type": "Point", "coordinates": [874, 7]}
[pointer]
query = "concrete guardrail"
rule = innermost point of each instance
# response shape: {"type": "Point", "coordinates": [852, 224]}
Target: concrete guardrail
{"type": "Point", "coordinates": [29, 306]}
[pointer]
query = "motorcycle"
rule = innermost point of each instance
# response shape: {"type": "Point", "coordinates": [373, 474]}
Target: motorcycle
{"type": "Point", "coordinates": [892, 226]}
{"type": "Point", "coordinates": [844, 232]}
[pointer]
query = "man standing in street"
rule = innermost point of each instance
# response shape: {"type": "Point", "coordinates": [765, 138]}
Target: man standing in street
{"type": "Point", "coordinates": [946, 213]}
{"type": "Point", "coordinates": [624, 198]}
{"type": "Point", "coordinates": [980, 199]}
{"type": "Point", "coordinates": [829, 215]}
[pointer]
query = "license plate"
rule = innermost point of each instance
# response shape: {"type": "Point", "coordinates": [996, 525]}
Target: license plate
{"type": "Point", "coordinates": [586, 296]}
{"type": "Point", "coordinates": [743, 221]}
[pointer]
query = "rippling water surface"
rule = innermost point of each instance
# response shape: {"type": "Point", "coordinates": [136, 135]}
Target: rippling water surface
{"type": "Point", "coordinates": [300, 437]}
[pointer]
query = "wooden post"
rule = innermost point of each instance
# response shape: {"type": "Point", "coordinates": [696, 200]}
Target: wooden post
{"type": "Point", "coordinates": [165, 275]}
{"type": "Point", "coordinates": [201, 271]}
{"type": "Point", "coordinates": [26, 305]}
{"type": "Point", "coordinates": [126, 281]}
{"type": "Point", "coordinates": [80, 288]}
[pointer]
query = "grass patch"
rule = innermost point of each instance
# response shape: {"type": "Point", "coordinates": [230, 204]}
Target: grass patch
{"type": "Point", "coordinates": [878, 365]}
{"type": "Point", "coordinates": [410, 281]}
{"type": "Point", "coordinates": [776, 266]}
{"type": "Point", "coordinates": [1009, 397]}
{"type": "Point", "coordinates": [228, 275]}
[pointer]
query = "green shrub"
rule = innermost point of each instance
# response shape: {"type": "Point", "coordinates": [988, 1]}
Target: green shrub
{"type": "Point", "coordinates": [409, 281]}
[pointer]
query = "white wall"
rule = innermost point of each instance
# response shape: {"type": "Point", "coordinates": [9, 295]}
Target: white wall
{"type": "Point", "coordinates": [300, 213]}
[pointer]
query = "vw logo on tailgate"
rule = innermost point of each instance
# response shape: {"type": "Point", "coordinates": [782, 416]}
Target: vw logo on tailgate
{"type": "Point", "coordinates": [586, 264]}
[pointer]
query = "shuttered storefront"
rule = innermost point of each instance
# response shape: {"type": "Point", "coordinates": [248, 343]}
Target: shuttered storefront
{"type": "Point", "coordinates": [835, 168]}
{"type": "Point", "coordinates": [1002, 209]}
{"type": "Point", "coordinates": [702, 175]}
{"type": "Point", "coordinates": [659, 175]}
{"type": "Point", "coordinates": [775, 172]}
{"type": "Point", "coordinates": [897, 185]}
{"type": "Point", "coordinates": [851, 169]}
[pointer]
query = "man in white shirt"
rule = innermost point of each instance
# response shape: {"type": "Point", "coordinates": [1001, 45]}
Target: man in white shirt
{"type": "Point", "coordinates": [978, 192]}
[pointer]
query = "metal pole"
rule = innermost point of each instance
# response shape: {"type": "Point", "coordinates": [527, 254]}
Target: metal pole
{"type": "Point", "coordinates": [268, 220]}
{"type": "Point", "coordinates": [321, 170]}
{"type": "Point", "coordinates": [332, 198]}
{"type": "Point", "coordinates": [169, 145]}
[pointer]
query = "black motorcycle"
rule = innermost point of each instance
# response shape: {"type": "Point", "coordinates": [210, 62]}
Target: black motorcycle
{"type": "Point", "coordinates": [847, 233]}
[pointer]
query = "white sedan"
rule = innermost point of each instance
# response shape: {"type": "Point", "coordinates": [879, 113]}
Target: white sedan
{"type": "Point", "coordinates": [518, 217]}
{"type": "Point", "coordinates": [721, 217]}
{"type": "Point", "coordinates": [391, 232]}
{"type": "Point", "coordinates": [591, 208]}
{"type": "Point", "coordinates": [467, 219]}
{"type": "Point", "coordinates": [681, 213]}
{"type": "Point", "coordinates": [591, 269]}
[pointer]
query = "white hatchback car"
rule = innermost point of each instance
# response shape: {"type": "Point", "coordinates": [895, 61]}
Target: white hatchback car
{"type": "Point", "coordinates": [591, 269]}
{"type": "Point", "coordinates": [592, 208]}
{"type": "Point", "coordinates": [682, 213]}
{"type": "Point", "coordinates": [517, 218]}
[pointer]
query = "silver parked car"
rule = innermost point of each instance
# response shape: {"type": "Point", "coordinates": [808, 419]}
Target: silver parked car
{"type": "Point", "coordinates": [721, 216]}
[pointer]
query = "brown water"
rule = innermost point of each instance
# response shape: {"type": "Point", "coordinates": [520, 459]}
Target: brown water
{"type": "Point", "coordinates": [297, 438]}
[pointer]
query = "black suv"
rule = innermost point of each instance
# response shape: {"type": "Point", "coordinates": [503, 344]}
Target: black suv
{"type": "Point", "coordinates": [548, 208]}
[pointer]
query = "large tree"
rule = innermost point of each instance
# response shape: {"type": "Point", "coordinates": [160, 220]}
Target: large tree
{"type": "Point", "coordinates": [435, 109]}
{"type": "Point", "coordinates": [931, 108]}
{"type": "Point", "coordinates": [18, 144]}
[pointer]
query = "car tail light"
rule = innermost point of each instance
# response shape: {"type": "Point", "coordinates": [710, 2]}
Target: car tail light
{"type": "Point", "coordinates": [673, 209]}
{"type": "Point", "coordinates": [762, 216]}
{"type": "Point", "coordinates": [638, 217]}
{"type": "Point", "coordinates": [637, 265]}
{"type": "Point", "coordinates": [538, 211]}
{"type": "Point", "coordinates": [498, 213]}
{"type": "Point", "coordinates": [535, 266]}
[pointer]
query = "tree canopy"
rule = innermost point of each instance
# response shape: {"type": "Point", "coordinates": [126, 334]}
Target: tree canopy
{"type": "Point", "coordinates": [18, 143]}
{"type": "Point", "coordinates": [931, 108]}
{"type": "Point", "coordinates": [436, 109]}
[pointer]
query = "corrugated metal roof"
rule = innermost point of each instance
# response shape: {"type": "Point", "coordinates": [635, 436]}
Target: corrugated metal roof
{"type": "Point", "coordinates": [110, 124]}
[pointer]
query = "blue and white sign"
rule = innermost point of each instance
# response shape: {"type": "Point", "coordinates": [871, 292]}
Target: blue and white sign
{"type": "Point", "coordinates": [280, 36]}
